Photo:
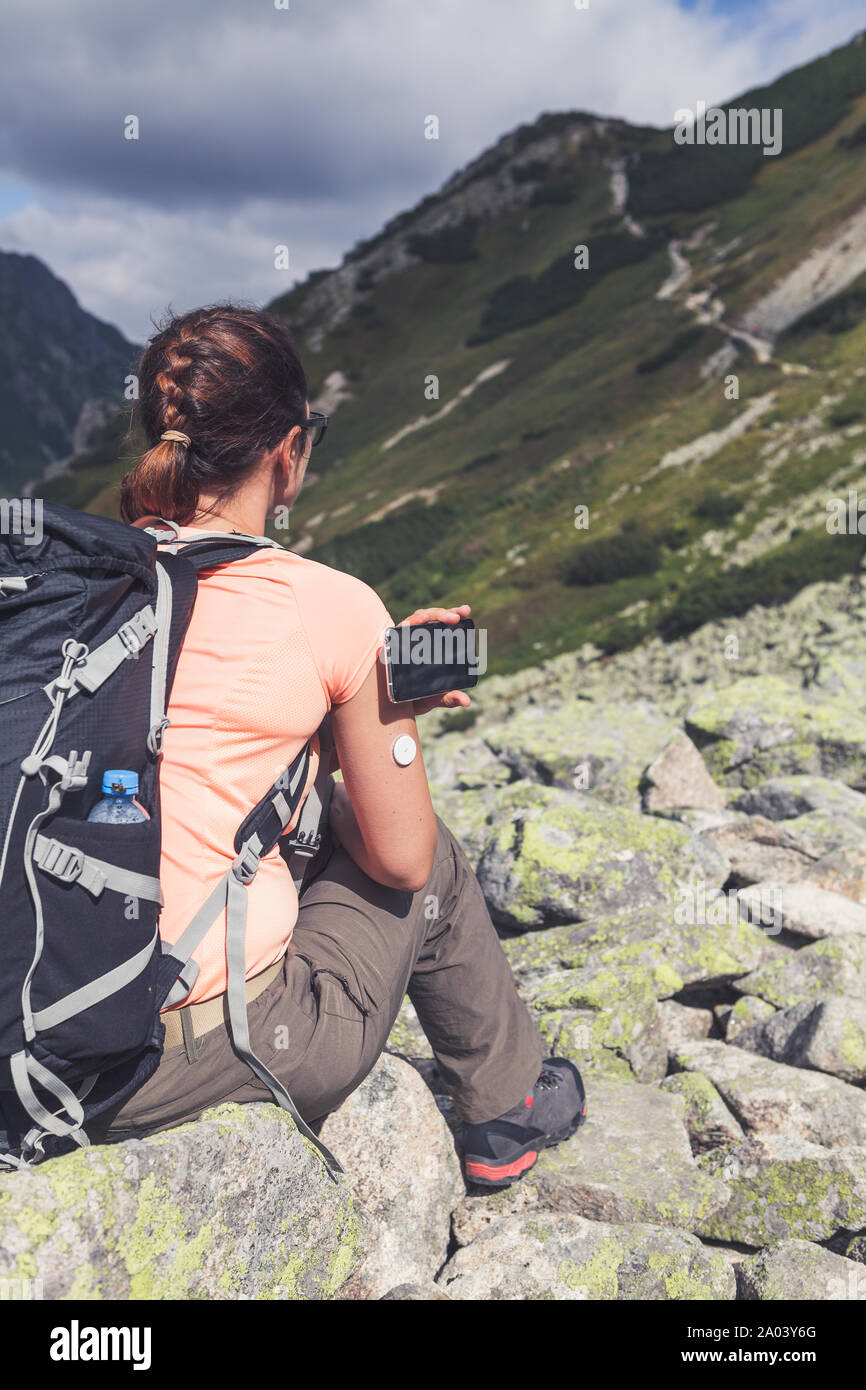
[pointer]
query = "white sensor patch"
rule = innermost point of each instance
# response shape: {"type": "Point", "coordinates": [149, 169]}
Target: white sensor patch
{"type": "Point", "coordinates": [404, 749]}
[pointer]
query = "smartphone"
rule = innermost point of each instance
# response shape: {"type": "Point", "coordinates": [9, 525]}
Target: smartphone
{"type": "Point", "coordinates": [424, 659]}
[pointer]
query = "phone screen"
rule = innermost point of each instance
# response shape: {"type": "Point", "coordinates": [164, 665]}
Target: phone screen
{"type": "Point", "coordinates": [430, 658]}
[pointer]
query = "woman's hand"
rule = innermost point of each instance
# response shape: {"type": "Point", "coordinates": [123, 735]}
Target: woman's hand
{"type": "Point", "coordinates": [449, 699]}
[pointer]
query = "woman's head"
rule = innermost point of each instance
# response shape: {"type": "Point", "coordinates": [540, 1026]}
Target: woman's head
{"type": "Point", "coordinates": [231, 380]}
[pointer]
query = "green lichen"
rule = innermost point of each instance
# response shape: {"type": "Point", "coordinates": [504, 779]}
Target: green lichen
{"type": "Point", "coordinates": [680, 1282]}
{"type": "Point", "coordinates": [599, 1274]}
{"type": "Point", "coordinates": [852, 1045]}
{"type": "Point", "coordinates": [786, 1199]}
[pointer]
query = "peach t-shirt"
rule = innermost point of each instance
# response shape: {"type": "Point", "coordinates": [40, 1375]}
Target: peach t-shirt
{"type": "Point", "coordinates": [273, 642]}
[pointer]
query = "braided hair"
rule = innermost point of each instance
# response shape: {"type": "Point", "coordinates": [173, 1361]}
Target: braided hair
{"type": "Point", "coordinates": [230, 379]}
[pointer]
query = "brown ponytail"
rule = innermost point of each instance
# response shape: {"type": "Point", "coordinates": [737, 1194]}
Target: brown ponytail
{"type": "Point", "coordinates": [230, 379]}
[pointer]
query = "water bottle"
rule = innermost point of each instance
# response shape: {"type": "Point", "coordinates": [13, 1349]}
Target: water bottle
{"type": "Point", "coordinates": [118, 805]}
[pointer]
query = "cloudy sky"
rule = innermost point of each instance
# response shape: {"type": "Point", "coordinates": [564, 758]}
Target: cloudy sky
{"type": "Point", "coordinates": [304, 125]}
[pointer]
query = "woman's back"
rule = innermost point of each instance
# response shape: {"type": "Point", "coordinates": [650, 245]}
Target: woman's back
{"type": "Point", "coordinates": [274, 641]}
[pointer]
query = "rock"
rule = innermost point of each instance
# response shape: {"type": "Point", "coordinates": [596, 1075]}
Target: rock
{"type": "Point", "coordinates": [237, 1205]}
{"type": "Point", "coordinates": [460, 761]}
{"type": "Point", "coordinates": [855, 1249]}
{"type": "Point", "coordinates": [481, 1210]}
{"type": "Point", "coordinates": [618, 1008]}
{"type": "Point", "coordinates": [630, 1161]}
{"type": "Point", "coordinates": [800, 1270]}
{"type": "Point", "coordinates": [679, 1023]}
{"type": "Point", "coordinates": [827, 1035]}
{"type": "Point", "coordinates": [767, 726]}
{"type": "Point", "coordinates": [401, 1164]}
{"type": "Point", "coordinates": [757, 849]}
{"type": "Point", "coordinates": [708, 1120]}
{"type": "Point", "coordinates": [744, 1014]}
{"type": "Point", "coordinates": [702, 951]}
{"type": "Point", "coordinates": [843, 871]}
{"type": "Point", "coordinates": [579, 744]}
{"type": "Point", "coordinates": [407, 1038]}
{"type": "Point", "coordinates": [416, 1293]}
{"type": "Point", "coordinates": [790, 798]}
{"type": "Point", "coordinates": [803, 908]}
{"type": "Point", "coordinates": [836, 965]}
{"type": "Point", "coordinates": [562, 1257]}
{"type": "Point", "coordinates": [782, 1187]}
{"type": "Point", "coordinates": [553, 857]}
{"type": "Point", "coordinates": [770, 1097]}
{"type": "Point", "coordinates": [678, 780]}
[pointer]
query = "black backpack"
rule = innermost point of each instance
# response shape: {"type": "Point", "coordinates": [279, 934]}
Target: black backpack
{"type": "Point", "coordinates": [92, 620]}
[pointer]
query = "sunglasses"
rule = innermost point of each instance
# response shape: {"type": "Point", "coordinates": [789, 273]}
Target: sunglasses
{"type": "Point", "coordinates": [316, 424]}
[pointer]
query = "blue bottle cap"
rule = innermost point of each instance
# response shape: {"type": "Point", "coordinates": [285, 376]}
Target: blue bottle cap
{"type": "Point", "coordinates": [119, 781]}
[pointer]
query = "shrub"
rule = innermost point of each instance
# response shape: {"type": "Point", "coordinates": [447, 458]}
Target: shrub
{"type": "Point", "coordinates": [447, 245]}
{"type": "Point", "coordinates": [532, 172]}
{"type": "Point", "coordinates": [522, 301]}
{"type": "Point", "coordinates": [836, 315]}
{"type": "Point", "coordinates": [609, 558]}
{"type": "Point", "coordinates": [771, 579]}
{"type": "Point", "coordinates": [553, 191]}
{"type": "Point", "coordinates": [380, 548]}
{"type": "Point", "coordinates": [683, 341]}
{"type": "Point", "coordinates": [715, 506]}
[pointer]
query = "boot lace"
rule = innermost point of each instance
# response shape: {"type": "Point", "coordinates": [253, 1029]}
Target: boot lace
{"type": "Point", "coordinates": [548, 1079]}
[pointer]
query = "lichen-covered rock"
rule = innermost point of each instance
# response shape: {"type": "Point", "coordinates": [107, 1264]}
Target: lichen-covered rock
{"type": "Point", "coordinates": [800, 1270]}
{"type": "Point", "coordinates": [579, 744]}
{"type": "Point", "coordinates": [843, 871]}
{"type": "Point", "coordinates": [826, 1035]}
{"type": "Point", "coordinates": [708, 1120]}
{"type": "Point", "coordinates": [630, 1161]}
{"type": "Point", "coordinates": [758, 849]}
{"type": "Point", "coordinates": [415, 1293]}
{"type": "Point", "coordinates": [461, 761]}
{"type": "Point", "coordinates": [678, 780]}
{"type": "Point", "coordinates": [676, 953]}
{"type": "Point", "coordinates": [745, 1013]}
{"type": "Point", "coordinates": [407, 1037]}
{"type": "Point", "coordinates": [563, 1257]}
{"type": "Point", "coordinates": [836, 965]}
{"type": "Point", "coordinates": [770, 1097]}
{"type": "Point", "coordinates": [237, 1205]}
{"type": "Point", "coordinates": [766, 726]}
{"type": "Point", "coordinates": [803, 908]}
{"type": "Point", "coordinates": [680, 1023]}
{"type": "Point", "coordinates": [553, 857]}
{"type": "Point", "coordinates": [782, 1187]}
{"type": "Point", "coordinates": [618, 1008]}
{"type": "Point", "coordinates": [790, 798]}
{"type": "Point", "coordinates": [401, 1165]}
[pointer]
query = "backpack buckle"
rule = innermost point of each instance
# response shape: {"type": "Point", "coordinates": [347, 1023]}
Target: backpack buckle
{"type": "Point", "coordinates": [61, 861]}
{"type": "Point", "coordinates": [138, 630]}
{"type": "Point", "coordinates": [246, 864]}
{"type": "Point", "coordinates": [305, 843]}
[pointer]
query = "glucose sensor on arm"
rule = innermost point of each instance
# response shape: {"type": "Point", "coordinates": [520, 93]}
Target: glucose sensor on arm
{"type": "Point", "coordinates": [403, 750]}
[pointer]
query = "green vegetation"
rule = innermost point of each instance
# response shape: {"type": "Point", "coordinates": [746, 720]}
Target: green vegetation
{"type": "Point", "coordinates": [449, 244]}
{"type": "Point", "coordinates": [525, 300]}
{"type": "Point", "coordinates": [613, 557]}
{"type": "Point", "coordinates": [770, 580]}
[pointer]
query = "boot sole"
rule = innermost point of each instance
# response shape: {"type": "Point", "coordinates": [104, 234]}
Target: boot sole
{"type": "Point", "coordinates": [506, 1174]}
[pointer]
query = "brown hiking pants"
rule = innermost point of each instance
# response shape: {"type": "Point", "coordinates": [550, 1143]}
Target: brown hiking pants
{"type": "Point", "coordinates": [321, 1024]}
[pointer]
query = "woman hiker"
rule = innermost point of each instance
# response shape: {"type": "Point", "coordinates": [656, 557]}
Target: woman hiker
{"type": "Point", "coordinates": [275, 643]}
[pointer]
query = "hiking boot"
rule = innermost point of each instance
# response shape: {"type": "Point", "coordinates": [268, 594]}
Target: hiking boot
{"type": "Point", "coordinates": [498, 1152]}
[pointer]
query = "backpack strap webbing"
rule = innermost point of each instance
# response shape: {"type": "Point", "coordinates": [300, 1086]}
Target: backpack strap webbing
{"type": "Point", "coordinates": [257, 836]}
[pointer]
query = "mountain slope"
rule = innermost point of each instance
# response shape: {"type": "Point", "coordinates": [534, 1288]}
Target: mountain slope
{"type": "Point", "coordinates": [484, 390]}
{"type": "Point", "coordinates": [57, 363]}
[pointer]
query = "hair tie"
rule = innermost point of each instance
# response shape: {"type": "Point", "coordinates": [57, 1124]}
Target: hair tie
{"type": "Point", "coordinates": [176, 434]}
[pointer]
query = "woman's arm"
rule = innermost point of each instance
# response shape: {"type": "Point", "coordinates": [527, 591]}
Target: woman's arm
{"type": "Point", "coordinates": [383, 815]}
